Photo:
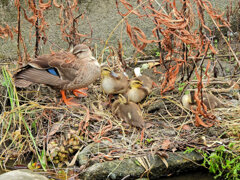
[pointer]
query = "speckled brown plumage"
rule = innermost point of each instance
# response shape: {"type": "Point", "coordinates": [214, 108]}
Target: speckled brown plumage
{"type": "Point", "coordinates": [129, 112]}
{"type": "Point", "coordinates": [75, 70]}
{"type": "Point", "coordinates": [112, 82]}
{"type": "Point", "coordinates": [209, 100]}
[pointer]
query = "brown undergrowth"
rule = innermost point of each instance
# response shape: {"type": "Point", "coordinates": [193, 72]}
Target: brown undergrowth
{"type": "Point", "coordinates": [35, 125]}
{"type": "Point", "coordinates": [58, 133]}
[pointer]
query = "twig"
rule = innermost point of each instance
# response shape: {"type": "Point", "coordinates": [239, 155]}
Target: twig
{"type": "Point", "coordinates": [154, 59]}
{"type": "Point", "coordinates": [19, 34]}
{"type": "Point", "coordinates": [37, 35]}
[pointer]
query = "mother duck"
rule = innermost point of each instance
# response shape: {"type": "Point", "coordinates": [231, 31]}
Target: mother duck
{"type": "Point", "coordinates": [62, 70]}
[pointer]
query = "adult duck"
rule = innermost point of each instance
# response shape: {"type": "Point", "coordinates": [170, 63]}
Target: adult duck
{"type": "Point", "coordinates": [62, 70]}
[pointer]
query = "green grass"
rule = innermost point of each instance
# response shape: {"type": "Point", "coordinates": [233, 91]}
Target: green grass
{"type": "Point", "coordinates": [224, 162]}
{"type": "Point", "coordinates": [14, 117]}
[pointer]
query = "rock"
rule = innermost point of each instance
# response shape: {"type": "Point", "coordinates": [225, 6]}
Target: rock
{"type": "Point", "coordinates": [119, 169]}
{"type": "Point", "coordinates": [159, 105]}
{"type": "Point", "coordinates": [177, 163]}
{"type": "Point", "coordinates": [22, 174]}
{"type": "Point", "coordinates": [93, 148]}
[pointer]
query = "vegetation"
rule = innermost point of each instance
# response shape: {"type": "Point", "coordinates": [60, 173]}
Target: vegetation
{"type": "Point", "coordinates": [223, 162]}
{"type": "Point", "coordinates": [37, 129]}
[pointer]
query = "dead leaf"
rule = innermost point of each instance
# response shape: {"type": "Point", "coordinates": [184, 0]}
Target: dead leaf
{"type": "Point", "coordinates": [174, 150]}
{"type": "Point", "coordinates": [73, 160]}
{"type": "Point", "coordinates": [152, 64]}
{"type": "Point", "coordinates": [186, 127]}
{"type": "Point", "coordinates": [54, 128]}
{"type": "Point", "coordinates": [166, 143]}
{"type": "Point", "coordinates": [164, 161]}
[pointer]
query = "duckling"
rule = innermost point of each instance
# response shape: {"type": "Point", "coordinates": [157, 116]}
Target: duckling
{"type": "Point", "coordinates": [137, 91]}
{"type": "Point", "coordinates": [113, 83]}
{"type": "Point", "coordinates": [209, 100]}
{"type": "Point", "coordinates": [128, 111]}
{"type": "Point", "coordinates": [62, 70]}
{"type": "Point", "coordinates": [146, 80]}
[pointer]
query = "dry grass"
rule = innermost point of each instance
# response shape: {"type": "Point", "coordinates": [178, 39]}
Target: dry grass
{"type": "Point", "coordinates": [40, 126]}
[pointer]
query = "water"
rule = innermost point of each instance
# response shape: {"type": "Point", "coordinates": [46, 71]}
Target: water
{"type": "Point", "coordinates": [202, 175]}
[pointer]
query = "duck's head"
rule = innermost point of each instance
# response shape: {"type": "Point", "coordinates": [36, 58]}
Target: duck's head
{"type": "Point", "coordinates": [136, 84]}
{"type": "Point", "coordinates": [122, 99]}
{"type": "Point", "coordinates": [82, 51]}
{"type": "Point", "coordinates": [106, 72]}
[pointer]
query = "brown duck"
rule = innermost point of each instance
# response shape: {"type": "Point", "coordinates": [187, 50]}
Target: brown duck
{"type": "Point", "coordinates": [138, 91]}
{"type": "Point", "coordinates": [61, 70]}
{"type": "Point", "coordinates": [128, 111]}
{"type": "Point", "coordinates": [146, 81]}
{"type": "Point", "coordinates": [209, 100]}
{"type": "Point", "coordinates": [112, 82]}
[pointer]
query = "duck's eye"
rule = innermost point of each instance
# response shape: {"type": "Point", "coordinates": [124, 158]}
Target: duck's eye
{"type": "Point", "coordinates": [106, 70]}
{"type": "Point", "coordinates": [79, 52]}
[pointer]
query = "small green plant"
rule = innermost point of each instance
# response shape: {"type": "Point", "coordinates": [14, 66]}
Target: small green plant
{"type": "Point", "coordinates": [216, 43]}
{"type": "Point", "coordinates": [138, 163]}
{"type": "Point", "coordinates": [189, 150]}
{"type": "Point", "coordinates": [224, 162]}
{"type": "Point", "coordinates": [157, 54]}
{"type": "Point", "coordinates": [181, 87]}
{"type": "Point", "coordinates": [149, 140]}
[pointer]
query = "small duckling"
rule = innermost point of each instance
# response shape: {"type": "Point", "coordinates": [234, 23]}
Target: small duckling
{"type": "Point", "coordinates": [137, 91]}
{"type": "Point", "coordinates": [128, 111]}
{"type": "Point", "coordinates": [113, 83]}
{"type": "Point", "coordinates": [146, 81]}
{"type": "Point", "coordinates": [209, 100]}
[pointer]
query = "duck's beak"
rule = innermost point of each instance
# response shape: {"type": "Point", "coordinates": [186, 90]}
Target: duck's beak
{"type": "Point", "coordinates": [114, 74]}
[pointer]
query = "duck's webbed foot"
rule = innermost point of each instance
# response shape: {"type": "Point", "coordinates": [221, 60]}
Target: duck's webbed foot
{"type": "Point", "coordinates": [79, 92]}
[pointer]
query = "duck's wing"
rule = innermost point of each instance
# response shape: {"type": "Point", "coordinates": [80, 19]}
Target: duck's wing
{"type": "Point", "coordinates": [28, 75]}
{"type": "Point", "coordinates": [43, 70]}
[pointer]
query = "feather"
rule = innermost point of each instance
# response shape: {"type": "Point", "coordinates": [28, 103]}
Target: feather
{"type": "Point", "coordinates": [61, 70]}
{"type": "Point", "coordinates": [53, 71]}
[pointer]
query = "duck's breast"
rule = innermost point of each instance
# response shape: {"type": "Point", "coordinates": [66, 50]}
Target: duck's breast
{"type": "Point", "coordinates": [85, 75]}
{"type": "Point", "coordinates": [136, 95]}
{"type": "Point", "coordinates": [108, 85]}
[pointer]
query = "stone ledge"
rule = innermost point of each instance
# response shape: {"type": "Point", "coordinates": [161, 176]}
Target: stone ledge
{"type": "Point", "coordinates": [178, 162]}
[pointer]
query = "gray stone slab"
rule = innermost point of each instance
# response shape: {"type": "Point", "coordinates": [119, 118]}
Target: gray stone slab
{"type": "Point", "coordinates": [22, 174]}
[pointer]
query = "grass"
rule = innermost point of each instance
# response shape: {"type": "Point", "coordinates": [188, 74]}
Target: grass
{"type": "Point", "coordinates": [15, 116]}
{"type": "Point", "coordinates": [34, 124]}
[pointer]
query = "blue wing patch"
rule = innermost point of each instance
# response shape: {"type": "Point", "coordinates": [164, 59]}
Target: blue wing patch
{"type": "Point", "coordinates": [53, 71]}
